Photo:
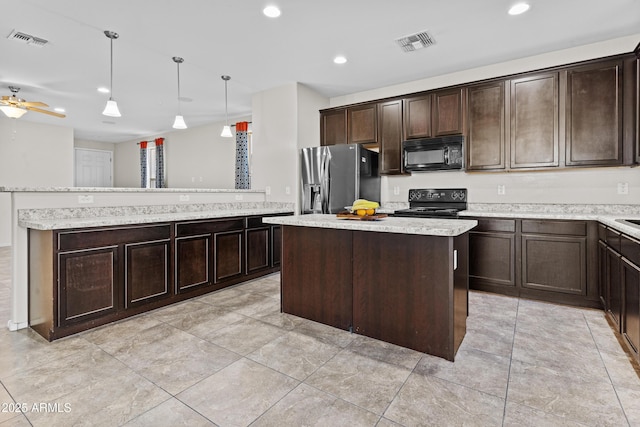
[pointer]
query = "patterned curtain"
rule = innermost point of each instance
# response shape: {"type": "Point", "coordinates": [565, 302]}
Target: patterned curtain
{"type": "Point", "coordinates": [160, 163]}
{"type": "Point", "coordinates": [243, 180]}
{"type": "Point", "coordinates": [143, 164]}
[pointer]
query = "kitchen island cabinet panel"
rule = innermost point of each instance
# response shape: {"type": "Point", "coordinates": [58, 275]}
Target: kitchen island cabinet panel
{"type": "Point", "coordinates": [594, 115]}
{"type": "Point", "coordinates": [276, 245]}
{"type": "Point", "coordinates": [631, 323]}
{"type": "Point", "coordinates": [534, 121]}
{"type": "Point", "coordinates": [614, 291]}
{"type": "Point", "coordinates": [147, 275]}
{"type": "Point", "coordinates": [316, 275]}
{"type": "Point", "coordinates": [88, 284]}
{"type": "Point", "coordinates": [392, 300]}
{"type": "Point", "coordinates": [228, 255]}
{"type": "Point", "coordinates": [193, 262]}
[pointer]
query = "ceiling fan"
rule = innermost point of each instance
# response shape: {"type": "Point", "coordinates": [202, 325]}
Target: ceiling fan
{"type": "Point", "coordinates": [15, 107]}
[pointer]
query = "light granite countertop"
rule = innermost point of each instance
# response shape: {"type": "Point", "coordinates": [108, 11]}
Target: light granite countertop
{"type": "Point", "coordinates": [85, 222]}
{"type": "Point", "coordinates": [427, 227]}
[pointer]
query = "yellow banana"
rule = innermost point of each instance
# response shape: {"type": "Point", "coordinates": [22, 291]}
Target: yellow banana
{"type": "Point", "coordinates": [364, 204]}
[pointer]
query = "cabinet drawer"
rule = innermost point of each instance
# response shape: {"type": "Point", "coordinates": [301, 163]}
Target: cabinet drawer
{"type": "Point", "coordinates": [202, 227]}
{"type": "Point", "coordinates": [571, 228]}
{"type": "Point", "coordinates": [602, 232]}
{"type": "Point", "coordinates": [630, 249]}
{"type": "Point", "coordinates": [496, 224]}
{"type": "Point", "coordinates": [91, 238]}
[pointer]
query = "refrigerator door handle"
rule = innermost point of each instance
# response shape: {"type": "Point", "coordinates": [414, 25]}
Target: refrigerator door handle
{"type": "Point", "coordinates": [325, 180]}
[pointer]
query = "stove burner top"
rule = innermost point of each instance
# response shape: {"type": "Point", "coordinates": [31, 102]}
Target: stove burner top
{"type": "Point", "coordinates": [432, 203]}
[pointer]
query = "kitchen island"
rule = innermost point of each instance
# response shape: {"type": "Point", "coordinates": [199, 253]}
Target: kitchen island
{"type": "Point", "coordinates": [399, 280]}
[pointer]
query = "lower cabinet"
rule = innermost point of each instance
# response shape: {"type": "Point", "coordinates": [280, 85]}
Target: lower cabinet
{"type": "Point", "coordinates": [549, 260]}
{"type": "Point", "coordinates": [82, 278]}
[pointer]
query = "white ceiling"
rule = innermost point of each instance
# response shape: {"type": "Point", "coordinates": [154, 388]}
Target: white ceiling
{"type": "Point", "coordinates": [234, 37]}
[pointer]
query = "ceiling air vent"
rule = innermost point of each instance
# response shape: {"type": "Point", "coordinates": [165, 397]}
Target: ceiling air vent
{"type": "Point", "coordinates": [415, 41]}
{"type": "Point", "coordinates": [27, 39]}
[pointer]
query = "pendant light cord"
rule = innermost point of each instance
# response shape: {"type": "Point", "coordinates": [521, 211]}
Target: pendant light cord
{"type": "Point", "coordinates": [111, 72]}
{"type": "Point", "coordinates": [179, 104]}
{"type": "Point", "coordinates": [226, 108]}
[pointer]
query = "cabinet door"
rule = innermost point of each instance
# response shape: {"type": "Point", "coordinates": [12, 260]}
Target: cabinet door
{"type": "Point", "coordinates": [631, 324]}
{"type": "Point", "coordinates": [614, 290]}
{"type": "Point", "coordinates": [257, 249]}
{"type": "Point", "coordinates": [363, 124]}
{"type": "Point", "coordinates": [333, 127]}
{"type": "Point", "coordinates": [390, 134]}
{"type": "Point", "coordinates": [147, 272]}
{"type": "Point", "coordinates": [447, 115]}
{"type": "Point", "coordinates": [594, 115]}
{"type": "Point", "coordinates": [87, 284]}
{"type": "Point", "coordinates": [534, 121]}
{"type": "Point", "coordinates": [554, 263]}
{"type": "Point", "coordinates": [193, 262]}
{"type": "Point", "coordinates": [486, 127]}
{"type": "Point", "coordinates": [276, 245]}
{"type": "Point", "coordinates": [492, 259]}
{"type": "Point", "coordinates": [228, 255]}
{"type": "Point", "coordinates": [417, 117]}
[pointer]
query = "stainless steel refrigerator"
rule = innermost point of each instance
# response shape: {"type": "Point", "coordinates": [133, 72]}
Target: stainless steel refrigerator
{"type": "Point", "coordinates": [334, 176]}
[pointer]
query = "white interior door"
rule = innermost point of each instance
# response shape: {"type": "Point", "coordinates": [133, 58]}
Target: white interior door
{"type": "Point", "coordinates": [93, 168]}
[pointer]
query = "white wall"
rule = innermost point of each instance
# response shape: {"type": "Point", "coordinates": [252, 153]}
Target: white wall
{"type": "Point", "coordinates": [94, 145]}
{"type": "Point", "coordinates": [593, 185]}
{"type": "Point", "coordinates": [285, 119]}
{"type": "Point", "coordinates": [194, 158]}
{"type": "Point", "coordinates": [32, 155]}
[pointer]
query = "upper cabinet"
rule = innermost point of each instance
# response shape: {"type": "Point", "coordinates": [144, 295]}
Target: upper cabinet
{"type": "Point", "coordinates": [594, 115]}
{"type": "Point", "coordinates": [390, 135]}
{"type": "Point", "coordinates": [447, 116]}
{"type": "Point", "coordinates": [434, 114]}
{"type": "Point", "coordinates": [534, 121]}
{"type": "Point", "coordinates": [486, 126]}
{"type": "Point", "coordinates": [362, 124]}
{"type": "Point", "coordinates": [333, 127]}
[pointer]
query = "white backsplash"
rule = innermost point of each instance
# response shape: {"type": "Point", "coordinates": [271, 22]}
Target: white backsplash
{"type": "Point", "coordinates": [584, 186]}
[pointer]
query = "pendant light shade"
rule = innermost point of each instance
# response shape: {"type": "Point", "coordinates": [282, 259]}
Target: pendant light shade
{"type": "Point", "coordinates": [226, 130]}
{"type": "Point", "coordinates": [179, 123]}
{"type": "Point", "coordinates": [111, 109]}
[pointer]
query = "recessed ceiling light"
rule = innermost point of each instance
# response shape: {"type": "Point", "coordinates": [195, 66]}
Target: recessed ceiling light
{"type": "Point", "coordinates": [271, 11]}
{"type": "Point", "coordinates": [339, 59]}
{"type": "Point", "coordinates": [518, 8]}
{"type": "Point", "coordinates": [103, 89]}
{"type": "Point", "coordinates": [59, 110]}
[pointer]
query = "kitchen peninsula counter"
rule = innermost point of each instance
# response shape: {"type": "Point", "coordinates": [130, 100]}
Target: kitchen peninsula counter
{"type": "Point", "coordinates": [400, 280]}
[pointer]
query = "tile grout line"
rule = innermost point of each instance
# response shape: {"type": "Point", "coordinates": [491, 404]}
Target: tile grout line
{"type": "Point", "coordinates": [513, 343]}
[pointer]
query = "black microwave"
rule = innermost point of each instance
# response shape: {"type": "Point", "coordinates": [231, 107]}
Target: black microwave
{"type": "Point", "coordinates": [430, 154]}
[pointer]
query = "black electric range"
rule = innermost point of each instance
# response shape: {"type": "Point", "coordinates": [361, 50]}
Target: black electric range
{"type": "Point", "coordinates": [435, 203]}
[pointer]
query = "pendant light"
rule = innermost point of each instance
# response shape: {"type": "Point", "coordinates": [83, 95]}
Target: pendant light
{"type": "Point", "coordinates": [226, 130]}
{"type": "Point", "coordinates": [179, 121]}
{"type": "Point", "coordinates": [111, 109]}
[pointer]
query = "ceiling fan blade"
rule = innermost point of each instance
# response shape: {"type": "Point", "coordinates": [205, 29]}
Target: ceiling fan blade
{"type": "Point", "coordinates": [33, 104]}
{"type": "Point", "coordinates": [39, 110]}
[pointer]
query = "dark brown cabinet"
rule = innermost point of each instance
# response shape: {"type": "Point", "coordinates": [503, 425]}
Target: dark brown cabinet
{"type": "Point", "coordinates": [594, 114]}
{"type": "Point", "coordinates": [147, 272]}
{"type": "Point", "coordinates": [534, 133]}
{"type": "Point", "coordinates": [549, 260]}
{"type": "Point", "coordinates": [434, 114]}
{"type": "Point", "coordinates": [390, 135]}
{"type": "Point", "coordinates": [82, 278]}
{"type": "Point", "coordinates": [87, 284]}
{"type": "Point", "coordinates": [333, 127]}
{"type": "Point", "coordinates": [448, 112]}
{"type": "Point", "coordinates": [417, 117]}
{"type": "Point", "coordinates": [362, 124]}
{"type": "Point", "coordinates": [554, 262]}
{"type": "Point", "coordinates": [631, 323]}
{"type": "Point", "coordinates": [492, 255]}
{"type": "Point", "coordinates": [486, 126]}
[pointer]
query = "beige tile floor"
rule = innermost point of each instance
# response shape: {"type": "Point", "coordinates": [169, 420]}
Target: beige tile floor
{"type": "Point", "coordinates": [231, 358]}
